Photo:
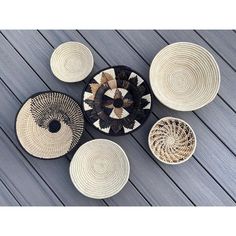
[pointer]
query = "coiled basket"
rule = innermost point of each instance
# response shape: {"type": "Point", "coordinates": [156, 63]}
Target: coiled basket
{"type": "Point", "coordinates": [172, 140]}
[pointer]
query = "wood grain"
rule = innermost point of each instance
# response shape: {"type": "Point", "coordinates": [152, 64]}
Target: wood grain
{"type": "Point", "coordinates": [217, 113]}
{"type": "Point", "coordinates": [207, 179]}
{"type": "Point", "coordinates": [223, 42]}
{"type": "Point", "coordinates": [176, 198]}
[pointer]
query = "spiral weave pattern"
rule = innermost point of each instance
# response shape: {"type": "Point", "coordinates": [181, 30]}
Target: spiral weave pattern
{"type": "Point", "coordinates": [184, 76]}
{"type": "Point", "coordinates": [172, 140]}
{"type": "Point", "coordinates": [49, 125]}
{"type": "Point", "coordinates": [99, 169]}
{"type": "Point", "coordinates": [71, 62]}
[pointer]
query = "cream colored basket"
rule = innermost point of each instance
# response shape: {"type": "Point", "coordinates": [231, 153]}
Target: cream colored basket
{"type": "Point", "coordinates": [49, 125]}
{"type": "Point", "coordinates": [99, 169]}
{"type": "Point", "coordinates": [172, 140]}
{"type": "Point", "coordinates": [71, 62]}
{"type": "Point", "coordinates": [184, 76]}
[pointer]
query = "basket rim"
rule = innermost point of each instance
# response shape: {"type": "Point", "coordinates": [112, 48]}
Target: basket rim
{"type": "Point", "coordinates": [126, 160]}
{"type": "Point", "coordinates": [217, 69]}
{"type": "Point", "coordinates": [32, 96]}
{"type": "Point", "coordinates": [195, 138]}
{"type": "Point", "coordinates": [72, 42]}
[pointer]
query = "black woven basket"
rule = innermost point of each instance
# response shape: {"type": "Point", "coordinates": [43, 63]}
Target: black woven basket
{"type": "Point", "coordinates": [117, 100]}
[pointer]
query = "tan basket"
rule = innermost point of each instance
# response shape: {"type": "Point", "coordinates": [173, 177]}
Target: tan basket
{"type": "Point", "coordinates": [184, 76]}
{"type": "Point", "coordinates": [71, 62]}
{"type": "Point", "coordinates": [49, 125]}
{"type": "Point", "coordinates": [172, 140]}
{"type": "Point", "coordinates": [99, 169]}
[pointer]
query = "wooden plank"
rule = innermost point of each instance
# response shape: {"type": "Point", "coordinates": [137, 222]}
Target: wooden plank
{"type": "Point", "coordinates": [228, 82]}
{"type": "Point", "coordinates": [214, 156]}
{"type": "Point", "coordinates": [197, 184]}
{"type": "Point", "coordinates": [228, 135]}
{"type": "Point", "coordinates": [133, 194]}
{"type": "Point", "coordinates": [223, 41]}
{"type": "Point", "coordinates": [107, 41]}
{"type": "Point", "coordinates": [216, 111]}
{"type": "Point", "coordinates": [6, 198]}
{"type": "Point", "coordinates": [191, 177]}
{"type": "Point", "coordinates": [128, 196]}
{"type": "Point", "coordinates": [18, 175]}
{"type": "Point", "coordinates": [157, 195]}
{"type": "Point", "coordinates": [54, 172]}
{"type": "Point", "coordinates": [227, 91]}
{"type": "Point", "coordinates": [124, 197]}
{"type": "Point", "coordinates": [189, 181]}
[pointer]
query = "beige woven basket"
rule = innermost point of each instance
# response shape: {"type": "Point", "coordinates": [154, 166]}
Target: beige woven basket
{"type": "Point", "coordinates": [184, 76]}
{"type": "Point", "coordinates": [49, 125]}
{"type": "Point", "coordinates": [71, 62]}
{"type": "Point", "coordinates": [99, 169]}
{"type": "Point", "coordinates": [172, 140]}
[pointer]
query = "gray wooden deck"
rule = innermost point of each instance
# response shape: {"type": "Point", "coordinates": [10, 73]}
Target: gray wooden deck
{"type": "Point", "coordinates": [209, 178]}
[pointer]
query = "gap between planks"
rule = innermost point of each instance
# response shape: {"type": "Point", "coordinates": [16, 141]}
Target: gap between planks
{"type": "Point", "coordinates": [158, 117]}
{"type": "Point", "coordinates": [198, 115]}
{"type": "Point", "coordinates": [103, 200]}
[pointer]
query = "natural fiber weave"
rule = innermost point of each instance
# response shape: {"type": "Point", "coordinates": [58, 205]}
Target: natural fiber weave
{"type": "Point", "coordinates": [184, 76]}
{"type": "Point", "coordinates": [49, 125]}
{"type": "Point", "coordinates": [117, 100]}
{"type": "Point", "coordinates": [172, 140]}
{"type": "Point", "coordinates": [71, 62]}
{"type": "Point", "coordinates": [99, 169]}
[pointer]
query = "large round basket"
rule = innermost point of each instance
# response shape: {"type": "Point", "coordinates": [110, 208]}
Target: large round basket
{"type": "Point", "coordinates": [172, 140]}
{"type": "Point", "coordinates": [71, 62]}
{"type": "Point", "coordinates": [99, 169]}
{"type": "Point", "coordinates": [184, 76]}
{"type": "Point", "coordinates": [117, 100]}
{"type": "Point", "coordinates": [49, 125]}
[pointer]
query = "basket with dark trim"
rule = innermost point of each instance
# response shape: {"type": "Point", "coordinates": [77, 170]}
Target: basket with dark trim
{"type": "Point", "coordinates": [49, 124]}
{"type": "Point", "coordinates": [117, 100]}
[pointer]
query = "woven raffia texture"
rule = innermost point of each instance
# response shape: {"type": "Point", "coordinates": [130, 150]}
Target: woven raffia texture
{"type": "Point", "coordinates": [117, 100]}
{"type": "Point", "coordinates": [172, 140]}
{"type": "Point", "coordinates": [71, 62]}
{"type": "Point", "coordinates": [184, 76]}
{"type": "Point", "coordinates": [49, 125]}
{"type": "Point", "coordinates": [99, 169]}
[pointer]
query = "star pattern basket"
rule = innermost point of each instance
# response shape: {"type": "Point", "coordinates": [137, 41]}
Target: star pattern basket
{"type": "Point", "coordinates": [117, 100]}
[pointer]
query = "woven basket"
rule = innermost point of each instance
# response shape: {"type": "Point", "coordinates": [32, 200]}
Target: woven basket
{"type": "Point", "coordinates": [184, 76]}
{"type": "Point", "coordinates": [99, 169]}
{"type": "Point", "coordinates": [172, 140]}
{"type": "Point", "coordinates": [117, 100]}
{"type": "Point", "coordinates": [49, 125]}
{"type": "Point", "coordinates": [71, 62]}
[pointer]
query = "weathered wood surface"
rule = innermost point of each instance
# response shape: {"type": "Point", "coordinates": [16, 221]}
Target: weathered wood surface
{"type": "Point", "coordinates": [209, 178]}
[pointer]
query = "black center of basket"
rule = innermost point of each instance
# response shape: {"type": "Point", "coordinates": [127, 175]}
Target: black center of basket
{"type": "Point", "coordinates": [118, 103]}
{"type": "Point", "coordinates": [54, 126]}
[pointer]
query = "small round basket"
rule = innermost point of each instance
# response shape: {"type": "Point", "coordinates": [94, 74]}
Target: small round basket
{"type": "Point", "coordinates": [49, 125]}
{"type": "Point", "coordinates": [184, 76]}
{"type": "Point", "coordinates": [99, 169]}
{"type": "Point", "coordinates": [172, 140]}
{"type": "Point", "coordinates": [71, 62]}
